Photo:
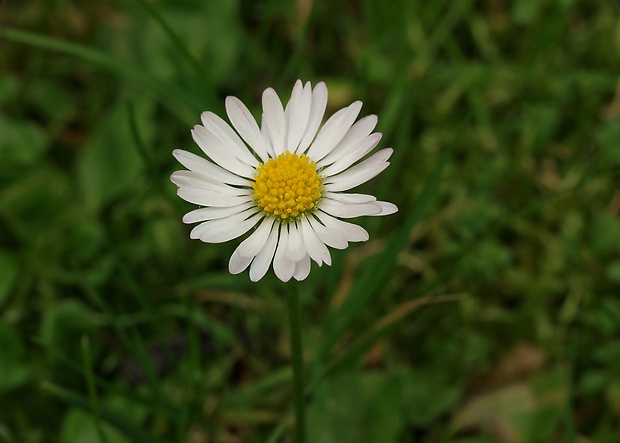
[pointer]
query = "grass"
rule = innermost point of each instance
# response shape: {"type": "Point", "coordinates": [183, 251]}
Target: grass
{"type": "Point", "coordinates": [485, 310]}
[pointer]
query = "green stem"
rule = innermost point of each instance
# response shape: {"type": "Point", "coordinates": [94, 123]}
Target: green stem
{"type": "Point", "coordinates": [294, 314]}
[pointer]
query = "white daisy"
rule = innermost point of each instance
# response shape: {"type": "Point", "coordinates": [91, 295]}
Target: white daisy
{"type": "Point", "coordinates": [286, 182]}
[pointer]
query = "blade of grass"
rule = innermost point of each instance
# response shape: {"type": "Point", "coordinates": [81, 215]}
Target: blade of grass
{"type": "Point", "coordinates": [278, 431]}
{"type": "Point", "coordinates": [382, 328]}
{"type": "Point", "coordinates": [192, 61]}
{"type": "Point", "coordinates": [120, 67]}
{"type": "Point", "coordinates": [370, 282]}
{"type": "Point", "coordinates": [292, 65]}
{"type": "Point", "coordinates": [110, 387]}
{"type": "Point", "coordinates": [93, 397]}
{"type": "Point", "coordinates": [386, 325]}
{"type": "Point", "coordinates": [130, 340]}
{"type": "Point", "coordinates": [112, 418]}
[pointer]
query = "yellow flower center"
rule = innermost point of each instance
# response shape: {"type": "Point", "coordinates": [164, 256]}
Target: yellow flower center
{"type": "Point", "coordinates": [287, 186]}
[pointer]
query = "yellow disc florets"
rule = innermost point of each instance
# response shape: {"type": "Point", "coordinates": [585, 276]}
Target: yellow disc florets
{"type": "Point", "coordinates": [287, 186]}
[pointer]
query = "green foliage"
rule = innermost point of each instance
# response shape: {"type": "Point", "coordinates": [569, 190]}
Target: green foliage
{"type": "Point", "coordinates": [486, 310]}
{"type": "Point", "coordinates": [14, 368]}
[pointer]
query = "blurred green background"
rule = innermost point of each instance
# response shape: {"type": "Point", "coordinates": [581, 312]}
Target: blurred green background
{"type": "Point", "coordinates": [486, 310]}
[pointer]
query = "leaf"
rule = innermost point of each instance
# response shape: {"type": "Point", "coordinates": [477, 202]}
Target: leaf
{"type": "Point", "coordinates": [605, 234]}
{"type": "Point", "coordinates": [120, 67]}
{"type": "Point", "coordinates": [419, 386]}
{"type": "Point", "coordinates": [612, 272]}
{"type": "Point", "coordinates": [528, 411]}
{"type": "Point", "coordinates": [14, 369]}
{"type": "Point", "coordinates": [354, 408]}
{"type": "Point", "coordinates": [8, 275]}
{"type": "Point", "coordinates": [117, 419]}
{"type": "Point", "coordinates": [110, 161]}
{"type": "Point", "coordinates": [22, 142]}
{"type": "Point", "coordinates": [78, 426]}
{"type": "Point", "coordinates": [64, 324]}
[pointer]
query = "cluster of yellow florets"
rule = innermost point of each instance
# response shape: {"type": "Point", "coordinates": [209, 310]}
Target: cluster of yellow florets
{"type": "Point", "coordinates": [287, 186]}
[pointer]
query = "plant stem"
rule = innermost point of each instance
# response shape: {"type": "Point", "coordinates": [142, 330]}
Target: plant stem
{"type": "Point", "coordinates": [294, 314]}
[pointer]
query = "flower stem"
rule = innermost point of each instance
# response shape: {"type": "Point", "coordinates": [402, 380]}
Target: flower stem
{"type": "Point", "coordinates": [294, 314]}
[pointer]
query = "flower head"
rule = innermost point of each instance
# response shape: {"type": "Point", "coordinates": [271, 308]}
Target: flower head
{"type": "Point", "coordinates": [286, 182]}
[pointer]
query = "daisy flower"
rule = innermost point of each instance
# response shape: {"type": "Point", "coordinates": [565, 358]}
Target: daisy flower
{"type": "Point", "coordinates": [285, 181]}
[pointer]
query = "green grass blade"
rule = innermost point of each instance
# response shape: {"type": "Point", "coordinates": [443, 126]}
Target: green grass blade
{"type": "Point", "coordinates": [119, 67]}
{"type": "Point", "coordinates": [369, 283]}
{"type": "Point", "coordinates": [93, 396]}
{"type": "Point", "coordinates": [113, 418]}
{"type": "Point", "coordinates": [199, 70]}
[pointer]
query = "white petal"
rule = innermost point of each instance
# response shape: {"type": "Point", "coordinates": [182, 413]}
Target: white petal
{"type": "Point", "coordinates": [246, 126]}
{"type": "Point", "coordinates": [265, 134]}
{"type": "Point", "coordinates": [349, 210]}
{"type": "Point", "coordinates": [367, 145]}
{"type": "Point", "coordinates": [358, 132]}
{"type": "Point", "coordinates": [295, 249]}
{"type": "Point", "coordinates": [274, 120]}
{"type": "Point", "coordinates": [205, 197]}
{"type": "Point", "coordinates": [330, 237]}
{"type": "Point", "coordinates": [315, 247]}
{"type": "Point", "coordinates": [387, 208]}
{"type": "Point", "coordinates": [360, 173]}
{"type": "Point", "coordinates": [224, 133]}
{"type": "Point", "coordinates": [192, 179]}
{"type": "Point", "coordinates": [282, 266]}
{"type": "Point", "coordinates": [212, 213]}
{"type": "Point", "coordinates": [260, 264]}
{"type": "Point", "coordinates": [224, 229]}
{"type": "Point", "coordinates": [252, 245]}
{"type": "Point", "coordinates": [234, 219]}
{"type": "Point", "coordinates": [333, 131]}
{"type": "Point", "coordinates": [204, 166]}
{"type": "Point", "coordinates": [302, 269]}
{"type": "Point", "coordinates": [220, 153]}
{"type": "Point", "coordinates": [350, 198]}
{"type": "Point", "coordinates": [317, 110]}
{"type": "Point", "coordinates": [237, 264]}
{"type": "Point", "coordinates": [297, 112]}
{"type": "Point", "coordinates": [351, 232]}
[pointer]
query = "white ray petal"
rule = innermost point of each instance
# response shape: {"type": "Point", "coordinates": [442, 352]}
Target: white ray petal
{"type": "Point", "coordinates": [237, 264]}
{"type": "Point", "coordinates": [329, 236]}
{"type": "Point", "coordinates": [252, 245]}
{"type": "Point", "coordinates": [315, 247]}
{"type": "Point", "coordinates": [358, 132]}
{"type": "Point", "coordinates": [204, 197]}
{"type": "Point", "coordinates": [359, 173]}
{"type": "Point", "coordinates": [349, 231]}
{"type": "Point", "coordinates": [349, 210]}
{"type": "Point", "coordinates": [387, 208]}
{"type": "Point", "coordinates": [350, 198]}
{"type": "Point", "coordinates": [317, 110]}
{"type": "Point", "coordinates": [203, 166]}
{"type": "Point", "coordinates": [245, 124]}
{"type": "Point", "coordinates": [222, 230]}
{"type": "Point", "coordinates": [297, 112]}
{"type": "Point", "coordinates": [295, 249]}
{"type": "Point", "coordinates": [302, 269]}
{"type": "Point", "coordinates": [265, 134]}
{"type": "Point", "coordinates": [212, 213]}
{"type": "Point", "coordinates": [225, 134]}
{"type": "Point", "coordinates": [192, 179]}
{"type": "Point", "coordinates": [234, 219]}
{"type": "Point", "coordinates": [333, 131]}
{"type": "Point", "coordinates": [274, 120]}
{"type": "Point", "coordinates": [365, 146]}
{"type": "Point", "coordinates": [283, 266]}
{"type": "Point", "coordinates": [262, 261]}
{"type": "Point", "coordinates": [220, 153]}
